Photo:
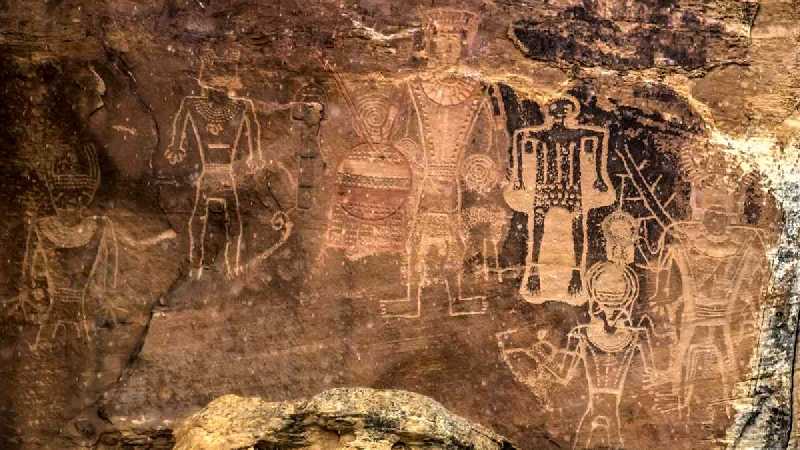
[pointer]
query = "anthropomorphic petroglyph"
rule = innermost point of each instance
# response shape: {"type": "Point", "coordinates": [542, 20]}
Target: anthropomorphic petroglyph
{"type": "Point", "coordinates": [606, 348]}
{"type": "Point", "coordinates": [716, 265]}
{"type": "Point", "coordinates": [452, 118]}
{"type": "Point", "coordinates": [373, 183]}
{"type": "Point", "coordinates": [481, 179]}
{"type": "Point", "coordinates": [223, 130]}
{"type": "Point", "coordinates": [620, 231]}
{"type": "Point", "coordinates": [560, 173]}
{"type": "Point", "coordinates": [70, 265]}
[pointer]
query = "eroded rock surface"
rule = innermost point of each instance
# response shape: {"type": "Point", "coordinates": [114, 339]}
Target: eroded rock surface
{"type": "Point", "coordinates": [351, 418]}
{"type": "Point", "coordinates": [571, 222]}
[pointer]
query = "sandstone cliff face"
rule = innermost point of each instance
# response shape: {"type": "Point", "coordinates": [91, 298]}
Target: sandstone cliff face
{"type": "Point", "coordinates": [571, 222]}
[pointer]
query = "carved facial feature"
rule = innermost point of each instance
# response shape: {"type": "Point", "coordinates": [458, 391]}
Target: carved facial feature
{"type": "Point", "coordinates": [223, 83]}
{"type": "Point", "coordinates": [715, 221]}
{"type": "Point", "coordinates": [610, 314]}
{"type": "Point", "coordinates": [67, 201]}
{"type": "Point", "coordinates": [446, 48]}
{"type": "Point", "coordinates": [562, 109]}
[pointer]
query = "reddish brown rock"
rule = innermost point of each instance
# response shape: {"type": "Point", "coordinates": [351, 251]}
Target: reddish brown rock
{"type": "Point", "coordinates": [570, 222]}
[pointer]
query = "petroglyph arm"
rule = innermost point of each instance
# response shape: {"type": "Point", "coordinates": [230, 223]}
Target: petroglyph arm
{"type": "Point", "coordinates": [253, 135]}
{"type": "Point", "coordinates": [176, 151]}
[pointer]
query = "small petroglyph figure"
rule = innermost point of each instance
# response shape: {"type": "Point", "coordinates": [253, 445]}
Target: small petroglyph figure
{"type": "Point", "coordinates": [222, 129]}
{"type": "Point", "coordinates": [560, 173]}
{"type": "Point", "coordinates": [717, 266]}
{"type": "Point", "coordinates": [605, 347]}
{"type": "Point", "coordinates": [373, 183]}
{"type": "Point", "coordinates": [70, 265]}
{"type": "Point", "coordinates": [452, 118]}
{"type": "Point", "coordinates": [481, 178]}
{"type": "Point", "coordinates": [621, 232]}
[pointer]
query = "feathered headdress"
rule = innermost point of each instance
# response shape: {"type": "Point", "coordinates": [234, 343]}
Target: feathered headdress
{"type": "Point", "coordinates": [455, 21]}
{"type": "Point", "coordinates": [75, 170]}
{"type": "Point", "coordinates": [716, 184]}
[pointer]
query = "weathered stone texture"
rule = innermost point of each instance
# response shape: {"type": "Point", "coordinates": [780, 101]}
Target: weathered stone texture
{"type": "Point", "coordinates": [354, 418]}
{"type": "Point", "coordinates": [573, 222]}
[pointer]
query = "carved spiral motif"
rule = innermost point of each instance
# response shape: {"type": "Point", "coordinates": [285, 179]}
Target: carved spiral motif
{"type": "Point", "coordinates": [374, 112]}
{"type": "Point", "coordinates": [480, 173]}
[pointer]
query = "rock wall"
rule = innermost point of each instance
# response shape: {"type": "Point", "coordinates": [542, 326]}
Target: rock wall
{"type": "Point", "coordinates": [571, 222]}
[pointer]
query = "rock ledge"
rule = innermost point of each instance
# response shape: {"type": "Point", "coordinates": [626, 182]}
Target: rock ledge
{"type": "Point", "coordinates": [347, 418]}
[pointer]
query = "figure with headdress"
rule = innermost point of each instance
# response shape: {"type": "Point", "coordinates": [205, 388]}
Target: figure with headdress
{"type": "Point", "coordinates": [559, 173]}
{"type": "Point", "coordinates": [605, 347]}
{"type": "Point", "coordinates": [452, 118]}
{"type": "Point", "coordinates": [621, 233]}
{"type": "Point", "coordinates": [67, 292]}
{"type": "Point", "coordinates": [70, 265]}
{"type": "Point", "coordinates": [716, 265]}
{"type": "Point", "coordinates": [222, 130]}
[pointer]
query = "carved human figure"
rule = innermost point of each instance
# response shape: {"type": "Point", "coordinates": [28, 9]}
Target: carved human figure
{"type": "Point", "coordinates": [67, 290]}
{"type": "Point", "coordinates": [451, 117]}
{"type": "Point", "coordinates": [717, 265]}
{"type": "Point", "coordinates": [373, 184]}
{"type": "Point", "coordinates": [560, 173]}
{"type": "Point", "coordinates": [620, 231]}
{"type": "Point", "coordinates": [487, 223]}
{"type": "Point", "coordinates": [222, 129]}
{"type": "Point", "coordinates": [606, 348]}
{"type": "Point", "coordinates": [70, 263]}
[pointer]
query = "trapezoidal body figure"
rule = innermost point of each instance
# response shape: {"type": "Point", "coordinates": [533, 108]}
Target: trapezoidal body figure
{"type": "Point", "coordinates": [223, 130]}
{"type": "Point", "coordinates": [717, 266]}
{"type": "Point", "coordinates": [452, 118]}
{"type": "Point", "coordinates": [605, 348]}
{"type": "Point", "coordinates": [67, 295]}
{"type": "Point", "coordinates": [559, 173]}
{"type": "Point", "coordinates": [70, 262]}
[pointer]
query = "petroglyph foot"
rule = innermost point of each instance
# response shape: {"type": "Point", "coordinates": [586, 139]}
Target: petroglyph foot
{"type": "Point", "coordinates": [400, 308]}
{"type": "Point", "coordinates": [469, 306]}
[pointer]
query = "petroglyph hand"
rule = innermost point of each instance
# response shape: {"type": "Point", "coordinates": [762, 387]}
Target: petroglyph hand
{"type": "Point", "coordinates": [234, 272]}
{"type": "Point", "coordinates": [411, 152]}
{"type": "Point", "coordinates": [27, 305]}
{"type": "Point", "coordinates": [280, 220]}
{"type": "Point", "coordinates": [543, 351]}
{"type": "Point", "coordinates": [110, 313]}
{"type": "Point", "coordinates": [174, 156]}
{"type": "Point", "coordinates": [654, 378]}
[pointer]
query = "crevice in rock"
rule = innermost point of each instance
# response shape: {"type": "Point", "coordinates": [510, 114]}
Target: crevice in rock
{"type": "Point", "coordinates": [118, 61]}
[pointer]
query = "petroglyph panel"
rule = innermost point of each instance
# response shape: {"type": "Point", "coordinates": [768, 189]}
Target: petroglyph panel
{"type": "Point", "coordinates": [529, 213]}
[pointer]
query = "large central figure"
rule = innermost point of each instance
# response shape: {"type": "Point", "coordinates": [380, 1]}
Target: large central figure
{"type": "Point", "coordinates": [560, 171]}
{"type": "Point", "coordinates": [453, 119]}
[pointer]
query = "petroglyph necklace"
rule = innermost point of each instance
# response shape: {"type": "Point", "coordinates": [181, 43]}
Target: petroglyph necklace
{"type": "Point", "coordinates": [216, 114]}
{"type": "Point", "coordinates": [67, 236]}
{"type": "Point", "coordinates": [450, 90]}
{"type": "Point", "coordinates": [609, 343]}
